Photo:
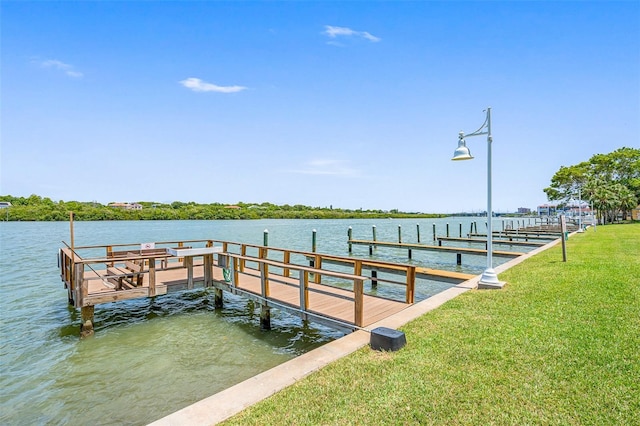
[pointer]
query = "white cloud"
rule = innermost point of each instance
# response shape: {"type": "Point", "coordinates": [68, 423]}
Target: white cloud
{"type": "Point", "coordinates": [328, 168]}
{"type": "Point", "coordinates": [61, 66]}
{"type": "Point", "coordinates": [335, 32]}
{"type": "Point", "coordinates": [198, 85]}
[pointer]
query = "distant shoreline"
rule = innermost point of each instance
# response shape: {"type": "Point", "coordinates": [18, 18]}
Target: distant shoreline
{"type": "Point", "coordinates": [39, 209]}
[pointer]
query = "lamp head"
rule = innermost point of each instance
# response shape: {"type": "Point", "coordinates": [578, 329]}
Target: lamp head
{"type": "Point", "coordinates": [462, 152]}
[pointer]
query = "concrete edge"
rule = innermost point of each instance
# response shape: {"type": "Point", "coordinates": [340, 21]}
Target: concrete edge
{"type": "Point", "coordinates": [224, 404]}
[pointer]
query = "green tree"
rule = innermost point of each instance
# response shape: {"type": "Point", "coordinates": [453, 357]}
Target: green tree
{"type": "Point", "coordinates": [611, 182]}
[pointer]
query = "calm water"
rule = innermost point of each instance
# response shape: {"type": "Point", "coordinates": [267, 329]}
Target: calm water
{"type": "Point", "coordinates": [152, 357]}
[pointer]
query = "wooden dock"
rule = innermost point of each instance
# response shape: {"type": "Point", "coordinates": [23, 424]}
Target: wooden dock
{"type": "Point", "coordinates": [495, 241]}
{"type": "Point", "coordinates": [535, 236]}
{"type": "Point", "coordinates": [423, 247]}
{"type": "Point", "coordinates": [329, 289]}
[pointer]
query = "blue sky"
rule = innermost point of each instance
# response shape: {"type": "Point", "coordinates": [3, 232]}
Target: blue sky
{"type": "Point", "coordinates": [349, 104]}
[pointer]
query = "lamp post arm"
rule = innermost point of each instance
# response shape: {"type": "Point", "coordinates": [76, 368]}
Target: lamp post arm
{"type": "Point", "coordinates": [486, 125]}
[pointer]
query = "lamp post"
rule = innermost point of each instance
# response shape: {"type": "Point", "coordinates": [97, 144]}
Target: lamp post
{"type": "Point", "coordinates": [489, 278]}
{"type": "Point", "coordinates": [580, 210]}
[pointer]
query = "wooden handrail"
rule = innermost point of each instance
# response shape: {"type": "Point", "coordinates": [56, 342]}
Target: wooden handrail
{"type": "Point", "coordinates": [283, 266]}
{"type": "Point", "coordinates": [358, 282]}
{"type": "Point", "coordinates": [293, 266]}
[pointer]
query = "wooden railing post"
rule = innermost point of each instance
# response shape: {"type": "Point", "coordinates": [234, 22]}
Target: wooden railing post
{"type": "Point", "coordinates": [243, 252]}
{"type": "Point", "coordinates": [208, 269]}
{"type": "Point", "coordinates": [180, 245]}
{"type": "Point", "coordinates": [358, 290]}
{"type": "Point", "coordinates": [304, 292]}
{"type": "Point", "coordinates": [264, 272]}
{"type": "Point", "coordinates": [286, 260]}
{"type": "Point", "coordinates": [317, 263]}
{"type": "Point", "coordinates": [264, 279]}
{"type": "Point", "coordinates": [110, 253]}
{"type": "Point", "coordinates": [152, 277]}
{"type": "Point", "coordinates": [234, 273]}
{"type": "Point", "coordinates": [357, 267]}
{"type": "Point", "coordinates": [81, 284]}
{"type": "Point", "coordinates": [411, 284]}
{"type": "Point", "coordinates": [188, 263]}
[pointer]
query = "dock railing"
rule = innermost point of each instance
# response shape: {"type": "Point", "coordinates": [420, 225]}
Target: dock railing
{"type": "Point", "coordinates": [268, 263]}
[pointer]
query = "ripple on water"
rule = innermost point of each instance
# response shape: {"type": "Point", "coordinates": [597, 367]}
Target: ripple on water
{"type": "Point", "coordinates": [150, 357]}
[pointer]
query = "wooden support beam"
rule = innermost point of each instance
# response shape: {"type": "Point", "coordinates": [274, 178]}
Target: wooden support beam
{"type": "Point", "coordinates": [188, 263]}
{"type": "Point", "coordinates": [152, 277]}
{"type": "Point", "coordinates": [208, 270]}
{"type": "Point", "coordinates": [358, 293]}
{"type": "Point", "coordinates": [243, 252]}
{"type": "Point", "coordinates": [264, 280]}
{"type": "Point", "coordinates": [218, 298]}
{"type": "Point", "coordinates": [411, 284]}
{"type": "Point", "coordinates": [86, 315]}
{"type": "Point", "coordinates": [82, 286]}
{"type": "Point", "coordinates": [318, 265]}
{"type": "Point", "coordinates": [286, 259]}
{"type": "Point", "coordinates": [304, 292]}
{"type": "Point", "coordinates": [265, 317]}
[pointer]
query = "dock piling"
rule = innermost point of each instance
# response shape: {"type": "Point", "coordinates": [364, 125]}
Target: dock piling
{"type": "Point", "coordinates": [86, 315]}
{"type": "Point", "coordinates": [349, 235]}
{"type": "Point", "coordinates": [418, 231]}
{"type": "Point", "coordinates": [218, 298]}
{"type": "Point", "coordinates": [313, 240]}
{"type": "Point", "coordinates": [265, 317]}
{"type": "Point", "coordinates": [313, 246]}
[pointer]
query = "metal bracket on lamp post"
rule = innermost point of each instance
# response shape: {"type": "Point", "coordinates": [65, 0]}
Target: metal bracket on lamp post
{"type": "Point", "coordinates": [489, 278]}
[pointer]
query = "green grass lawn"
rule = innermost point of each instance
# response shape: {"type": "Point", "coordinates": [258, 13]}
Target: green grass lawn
{"type": "Point", "coordinates": [560, 344]}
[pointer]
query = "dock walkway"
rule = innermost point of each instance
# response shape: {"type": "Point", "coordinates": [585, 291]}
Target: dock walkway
{"type": "Point", "coordinates": [329, 289]}
{"type": "Point", "coordinates": [458, 251]}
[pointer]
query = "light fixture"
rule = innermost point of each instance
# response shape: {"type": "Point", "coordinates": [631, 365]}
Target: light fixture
{"type": "Point", "coordinates": [462, 152]}
{"type": "Point", "coordinates": [489, 278]}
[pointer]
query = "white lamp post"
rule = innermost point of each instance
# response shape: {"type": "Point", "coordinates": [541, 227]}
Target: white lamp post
{"type": "Point", "coordinates": [580, 210]}
{"type": "Point", "coordinates": [489, 278]}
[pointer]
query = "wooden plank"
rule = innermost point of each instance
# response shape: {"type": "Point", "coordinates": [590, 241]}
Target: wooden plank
{"type": "Point", "coordinates": [495, 241]}
{"type": "Point", "coordinates": [114, 296]}
{"type": "Point", "coordinates": [443, 274]}
{"type": "Point", "coordinates": [523, 236]}
{"type": "Point", "coordinates": [496, 253]}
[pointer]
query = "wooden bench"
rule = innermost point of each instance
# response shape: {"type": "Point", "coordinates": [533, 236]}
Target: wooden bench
{"type": "Point", "coordinates": [129, 276]}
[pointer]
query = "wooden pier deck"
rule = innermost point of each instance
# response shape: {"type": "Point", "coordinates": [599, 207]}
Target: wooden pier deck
{"type": "Point", "coordinates": [535, 236]}
{"type": "Point", "coordinates": [413, 246]}
{"type": "Point", "coordinates": [495, 241]}
{"type": "Point", "coordinates": [302, 283]}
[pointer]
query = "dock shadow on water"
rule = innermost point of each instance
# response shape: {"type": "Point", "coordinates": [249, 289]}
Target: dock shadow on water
{"type": "Point", "coordinates": [151, 357]}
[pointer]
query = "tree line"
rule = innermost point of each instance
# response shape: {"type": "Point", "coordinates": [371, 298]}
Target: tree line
{"type": "Point", "coordinates": [37, 208]}
{"type": "Point", "coordinates": [608, 182]}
